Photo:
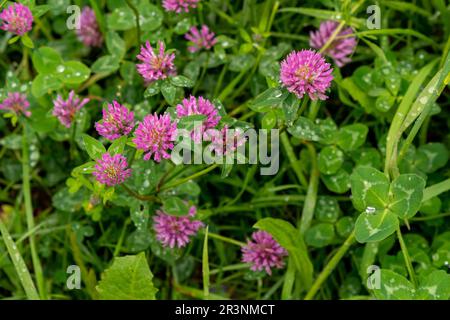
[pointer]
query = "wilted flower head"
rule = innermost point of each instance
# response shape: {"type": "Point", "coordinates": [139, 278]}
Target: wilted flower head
{"type": "Point", "coordinates": [306, 72]}
{"type": "Point", "coordinates": [200, 39]}
{"type": "Point", "coordinates": [16, 102]}
{"type": "Point", "coordinates": [173, 231]}
{"type": "Point", "coordinates": [155, 135]}
{"type": "Point", "coordinates": [88, 31]}
{"type": "Point", "coordinates": [117, 121]}
{"type": "Point", "coordinates": [65, 110]}
{"type": "Point", "coordinates": [17, 19]}
{"type": "Point", "coordinates": [224, 141]}
{"type": "Point", "coordinates": [199, 106]}
{"type": "Point", "coordinates": [263, 252]}
{"type": "Point", "coordinates": [111, 170]}
{"type": "Point", "coordinates": [155, 67]}
{"type": "Point", "coordinates": [340, 48]}
{"type": "Point", "coordinates": [179, 5]}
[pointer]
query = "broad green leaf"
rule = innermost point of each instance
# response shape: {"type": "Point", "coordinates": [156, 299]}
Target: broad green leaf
{"type": "Point", "coordinates": [128, 278]}
{"type": "Point", "coordinates": [44, 84]}
{"type": "Point", "coordinates": [27, 42]}
{"type": "Point", "coordinates": [393, 287]}
{"type": "Point", "coordinates": [290, 239]}
{"type": "Point", "coordinates": [169, 92]}
{"type": "Point", "coordinates": [330, 160]}
{"type": "Point", "coordinates": [267, 100]}
{"type": "Point", "coordinates": [139, 213]}
{"type": "Point", "coordinates": [181, 81]}
{"type": "Point", "coordinates": [435, 286]}
{"type": "Point", "coordinates": [320, 235]}
{"type": "Point", "coordinates": [369, 157]}
{"type": "Point", "coordinates": [151, 17]}
{"type": "Point", "coordinates": [375, 225]}
{"type": "Point", "coordinates": [153, 89]}
{"type": "Point", "coordinates": [406, 195]}
{"type": "Point", "coordinates": [175, 206]}
{"type": "Point", "coordinates": [118, 145]}
{"type": "Point", "coordinates": [121, 19]}
{"type": "Point", "coordinates": [327, 130]}
{"type": "Point", "coordinates": [106, 64]}
{"type": "Point", "coordinates": [116, 45]}
{"type": "Point", "coordinates": [384, 103]}
{"type": "Point", "coordinates": [370, 188]}
{"type": "Point", "coordinates": [304, 129]}
{"type": "Point", "coordinates": [327, 209]}
{"type": "Point", "coordinates": [338, 182]}
{"type": "Point", "coordinates": [269, 120]}
{"type": "Point", "coordinates": [94, 148]}
{"type": "Point", "coordinates": [345, 226]}
{"type": "Point", "coordinates": [352, 136]}
{"type": "Point", "coordinates": [431, 157]}
{"type": "Point", "coordinates": [73, 72]}
{"type": "Point", "coordinates": [47, 60]}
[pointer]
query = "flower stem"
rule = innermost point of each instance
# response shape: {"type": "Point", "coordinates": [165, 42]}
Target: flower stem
{"type": "Point", "coordinates": [293, 159]}
{"type": "Point", "coordinates": [330, 266]}
{"type": "Point", "coordinates": [138, 27]}
{"type": "Point", "coordinates": [311, 195]}
{"type": "Point", "coordinates": [29, 214]}
{"type": "Point", "coordinates": [407, 258]}
{"type": "Point", "coordinates": [191, 177]}
{"type": "Point", "coordinates": [140, 196]}
{"type": "Point", "coordinates": [225, 239]}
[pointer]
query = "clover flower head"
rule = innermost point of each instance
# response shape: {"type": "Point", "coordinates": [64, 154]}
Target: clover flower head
{"type": "Point", "coordinates": [263, 252]}
{"type": "Point", "coordinates": [179, 5]}
{"type": "Point", "coordinates": [111, 170]}
{"type": "Point", "coordinates": [224, 141]}
{"type": "Point", "coordinates": [117, 121]}
{"type": "Point", "coordinates": [155, 135]}
{"type": "Point", "coordinates": [174, 231]}
{"type": "Point", "coordinates": [307, 72]}
{"type": "Point", "coordinates": [340, 49]}
{"type": "Point", "coordinates": [199, 106]}
{"type": "Point", "coordinates": [65, 110]}
{"type": "Point", "coordinates": [155, 66]}
{"type": "Point", "coordinates": [17, 103]}
{"type": "Point", "coordinates": [17, 19]}
{"type": "Point", "coordinates": [89, 31]}
{"type": "Point", "coordinates": [201, 39]}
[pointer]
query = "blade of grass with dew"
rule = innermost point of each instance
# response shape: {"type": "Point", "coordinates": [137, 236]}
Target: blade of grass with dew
{"type": "Point", "coordinates": [205, 266]}
{"type": "Point", "coordinates": [19, 264]}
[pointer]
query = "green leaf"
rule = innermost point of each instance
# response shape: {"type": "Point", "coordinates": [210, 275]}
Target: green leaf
{"type": "Point", "coordinates": [393, 287]}
{"type": "Point", "coordinates": [94, 148]}
{"type": "Point", "coordinates": [345, 226]}
{"type": "Point", "coordinates": [305, 129]}
{"type": "Point", "coordinates": [121, 18]}
{"type": "Point", "coordinates": [431, 157]}
{"type": "Point", "coordinates": [290, 239]}
{"type": "Point", "coordinates": [407, 194]}
{"type": "Point", "coordinates": [118, 145]}
{"type": "Point", "coordinates": [151, 16]}
{"type": "Point", "coordinates": [128, 278]}
{"type": "Point", "coordinates": [351, 137]}
{"type": "Point", "coordinates": [269, 120]}
{"type": "Point", "coordinates": [267, 100]}
{"type": "Point", "coordinates": [46, 60]}
{"type": "Point", "coordinates": [169, 92]}
{"type": "Point", "coordinates": [338, 182]}
{"type": "Point", "coordinates": [115, 45]}
{"type": "Point", "coordinates": [327, 209]}
{"type": "Point", "coordinates": [175, 206]}
{"type": "Point", "coordinates": [330, 160]}
{"type": "Point", "coordinates": [27, 42]}
{"type": "Point", "coordinates": [44, 84]}
{"type": "Point", "coordinates": [375, 226]}
{"type": "Point", "coordinates": [73, 72]}
{"type": "Point", "coordinates": [153, 89]}
{"type": "Point", "coordinates": [436, 286]}
{"type": "Point", "coordinates": [105, 64]}
{"type": "Point", "coordinates": [370, 188]}
{"type": "Point", "coordinates": [182, 26]}
{"type": "Point", "coordinates": [182, 81]}
{"type": "Point", "coordinates": [320, 235]}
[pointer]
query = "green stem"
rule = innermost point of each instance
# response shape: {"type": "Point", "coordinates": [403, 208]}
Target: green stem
{"type": "Point", "coordinates": [293, 159]}
{"type": "Point", "coordinates": [29, 214]}
{"type": "Point", "coordinates": [121, 238]}
{"type": "Point", "coordinates": [407, 258]}
{"type": "Point", "coordinates": [311, 195]}
{"type": "Point", "coordinates": [140, 196]}
{"type": "Point", "coordinates": [436, 216]}
{"type": "Point", "coordinates": [191, 177]}
{"type": "Point", "coordinates": [19, 264]}
{"type": "Point", "coordinates": [225, 239]}
{"type": "Point", "coordinates": [138, 25]}
{"type": "Point", "coordinates": [232, 267]}
{"type": "Point", "coordinates": [330, 267]}
{"type": "Point", "coordinates": [436, 190]}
